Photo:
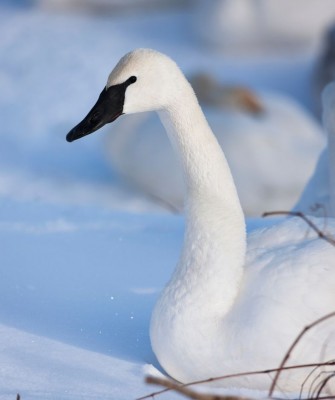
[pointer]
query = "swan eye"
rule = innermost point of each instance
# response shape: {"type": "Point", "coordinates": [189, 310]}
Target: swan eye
{"type": "Point", "coordinates": [132, 79]}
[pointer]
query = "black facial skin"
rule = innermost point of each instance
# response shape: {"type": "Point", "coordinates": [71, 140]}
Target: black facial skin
{"type": "Point", "coordinates": [108, 107]}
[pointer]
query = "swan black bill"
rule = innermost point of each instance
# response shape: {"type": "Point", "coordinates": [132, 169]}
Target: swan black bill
{"type": "Point", "coordinates": [108, 107]}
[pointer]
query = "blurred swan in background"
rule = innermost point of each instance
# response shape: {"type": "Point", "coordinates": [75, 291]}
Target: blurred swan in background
{"type": "Point", "coordinates": [265, 137]}
{"type": "Point", "coordinates": [318, 197]}
{"type": "Point", "coordinates": [255, 24]}
{"type": "Point", "coordinates": [324, 72]}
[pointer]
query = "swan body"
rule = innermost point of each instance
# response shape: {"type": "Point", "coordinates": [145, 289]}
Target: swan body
{"type": "Point", "coordinates": [227, 307]}
{"type": "Point", "coordinates": [318, 197]}
{"type": "Point", "coordinates": [254, 143]}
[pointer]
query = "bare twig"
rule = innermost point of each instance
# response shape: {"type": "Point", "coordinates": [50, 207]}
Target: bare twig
{"type": "Point", "coordinates": [304, 383]}
{"type": "Point", "coordinates": [237, 375]}
{"type": "Point", "coordinates": [330, 397]}
{"type": "Point", "coordinates": [323, 384]}
{"type": "Point", "coordinates": [293, 345]}
{"type": "Point", "coordinates": [299, 214]}
{"type": "Point", "coordinates": [313, 390]}
{"type": "Point", "coordinates": [168, 384]}
{"type": "Point", "coordinates": [182, 389]}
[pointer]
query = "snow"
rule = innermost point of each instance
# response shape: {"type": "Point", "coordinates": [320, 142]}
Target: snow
{"type": "Point", "coordinates": [45, 368]}
{"type": "Point", "coordinates": [83, 257]}
{"type": "Point", "coordinates": [75, 313]}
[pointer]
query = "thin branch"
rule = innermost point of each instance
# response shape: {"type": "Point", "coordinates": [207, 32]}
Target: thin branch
{"type": "Point", "coordinates": [153, 394]}
{"type": "Point", "coordinates": [237, 375]}
{"type": "Point", "coordinates": [302, 387]}
{"type": "Point", "coordinates": [313, 390]}
{"type": "Point", "coordinates": [323, 384]}
{"type": "Point", "coordinates": [293, 345]}
{"type": "Point", "coordinates": [313, 381]}
{"type": "Point", "coordinates": [168, 384]}
{"type": "Point", "coordinates": [330, 397]}
{"type": "Point", "coordinates": [311, 224]}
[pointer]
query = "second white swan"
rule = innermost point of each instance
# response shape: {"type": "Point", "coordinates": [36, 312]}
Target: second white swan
{"type": "Point", "coordinates": [318, 197]}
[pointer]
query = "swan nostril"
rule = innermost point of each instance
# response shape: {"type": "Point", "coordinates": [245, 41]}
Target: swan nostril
{"type": "Point", "coordinates": [132, 79]}
{"type": "Point", "coordinates": [95, 116]}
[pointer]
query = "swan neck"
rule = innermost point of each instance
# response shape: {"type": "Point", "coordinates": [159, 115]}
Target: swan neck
{"type": "Point", "coordinates": [206, 173]}
{"type": "Point", "coordinates": [215, 237]}
{"type": "Point", "coordinates": [208, 276]}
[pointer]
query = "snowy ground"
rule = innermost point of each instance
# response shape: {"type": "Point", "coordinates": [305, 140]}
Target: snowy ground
{"type": "Point", "coordinates": [83, 257]}
{"type": "Point", "coordinates": [77, 288]}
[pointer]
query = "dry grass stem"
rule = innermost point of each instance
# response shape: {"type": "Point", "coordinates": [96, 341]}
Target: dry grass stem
{"type": "Point", "coordinates": [308, 377]}
{"type": "Point", "coordinates": [301, 215]}
{"type": "Point", "coordinates": [168, 384]}
{"type": "Point", "coordinates": [237, 375]}
{"type": "Point", "coordinates": [293, 345]}
{"type": "Point", "coordinates": [323, 384]}
{"type": "Point", "coordinates": [330, 397]}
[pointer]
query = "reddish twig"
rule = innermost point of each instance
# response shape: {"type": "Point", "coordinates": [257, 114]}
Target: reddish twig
{"type": "Point", "coordinates": [323, 384]}
{"type": "Point", "coordinates": [312, 384]}
{"type": "Point", "coordinates": [168, 384]}
{"type": "Point", "coordinates": [330, 397]}
{"type": "Point", "coordinates": [240, 374]}
{"type": "Point", "coordinates": [182, 389]}
{"type": "Point", "coordinates": [293, 345]}
{"type": "Point", "coordinates": [311, 224]}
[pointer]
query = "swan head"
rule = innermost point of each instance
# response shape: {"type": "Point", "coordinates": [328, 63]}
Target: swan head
{"type": "Point", "coordinates": [143, 80]}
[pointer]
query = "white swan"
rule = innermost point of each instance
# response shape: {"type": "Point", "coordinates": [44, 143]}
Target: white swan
{"type": "Point", "coordinates": [224, 310]}
{"type": "Point", "coordinates": [273, 25]}
{"type": "Point", "coordinates": [254, 140]}
{"type": "Point", "coordinates": [318, 197]}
